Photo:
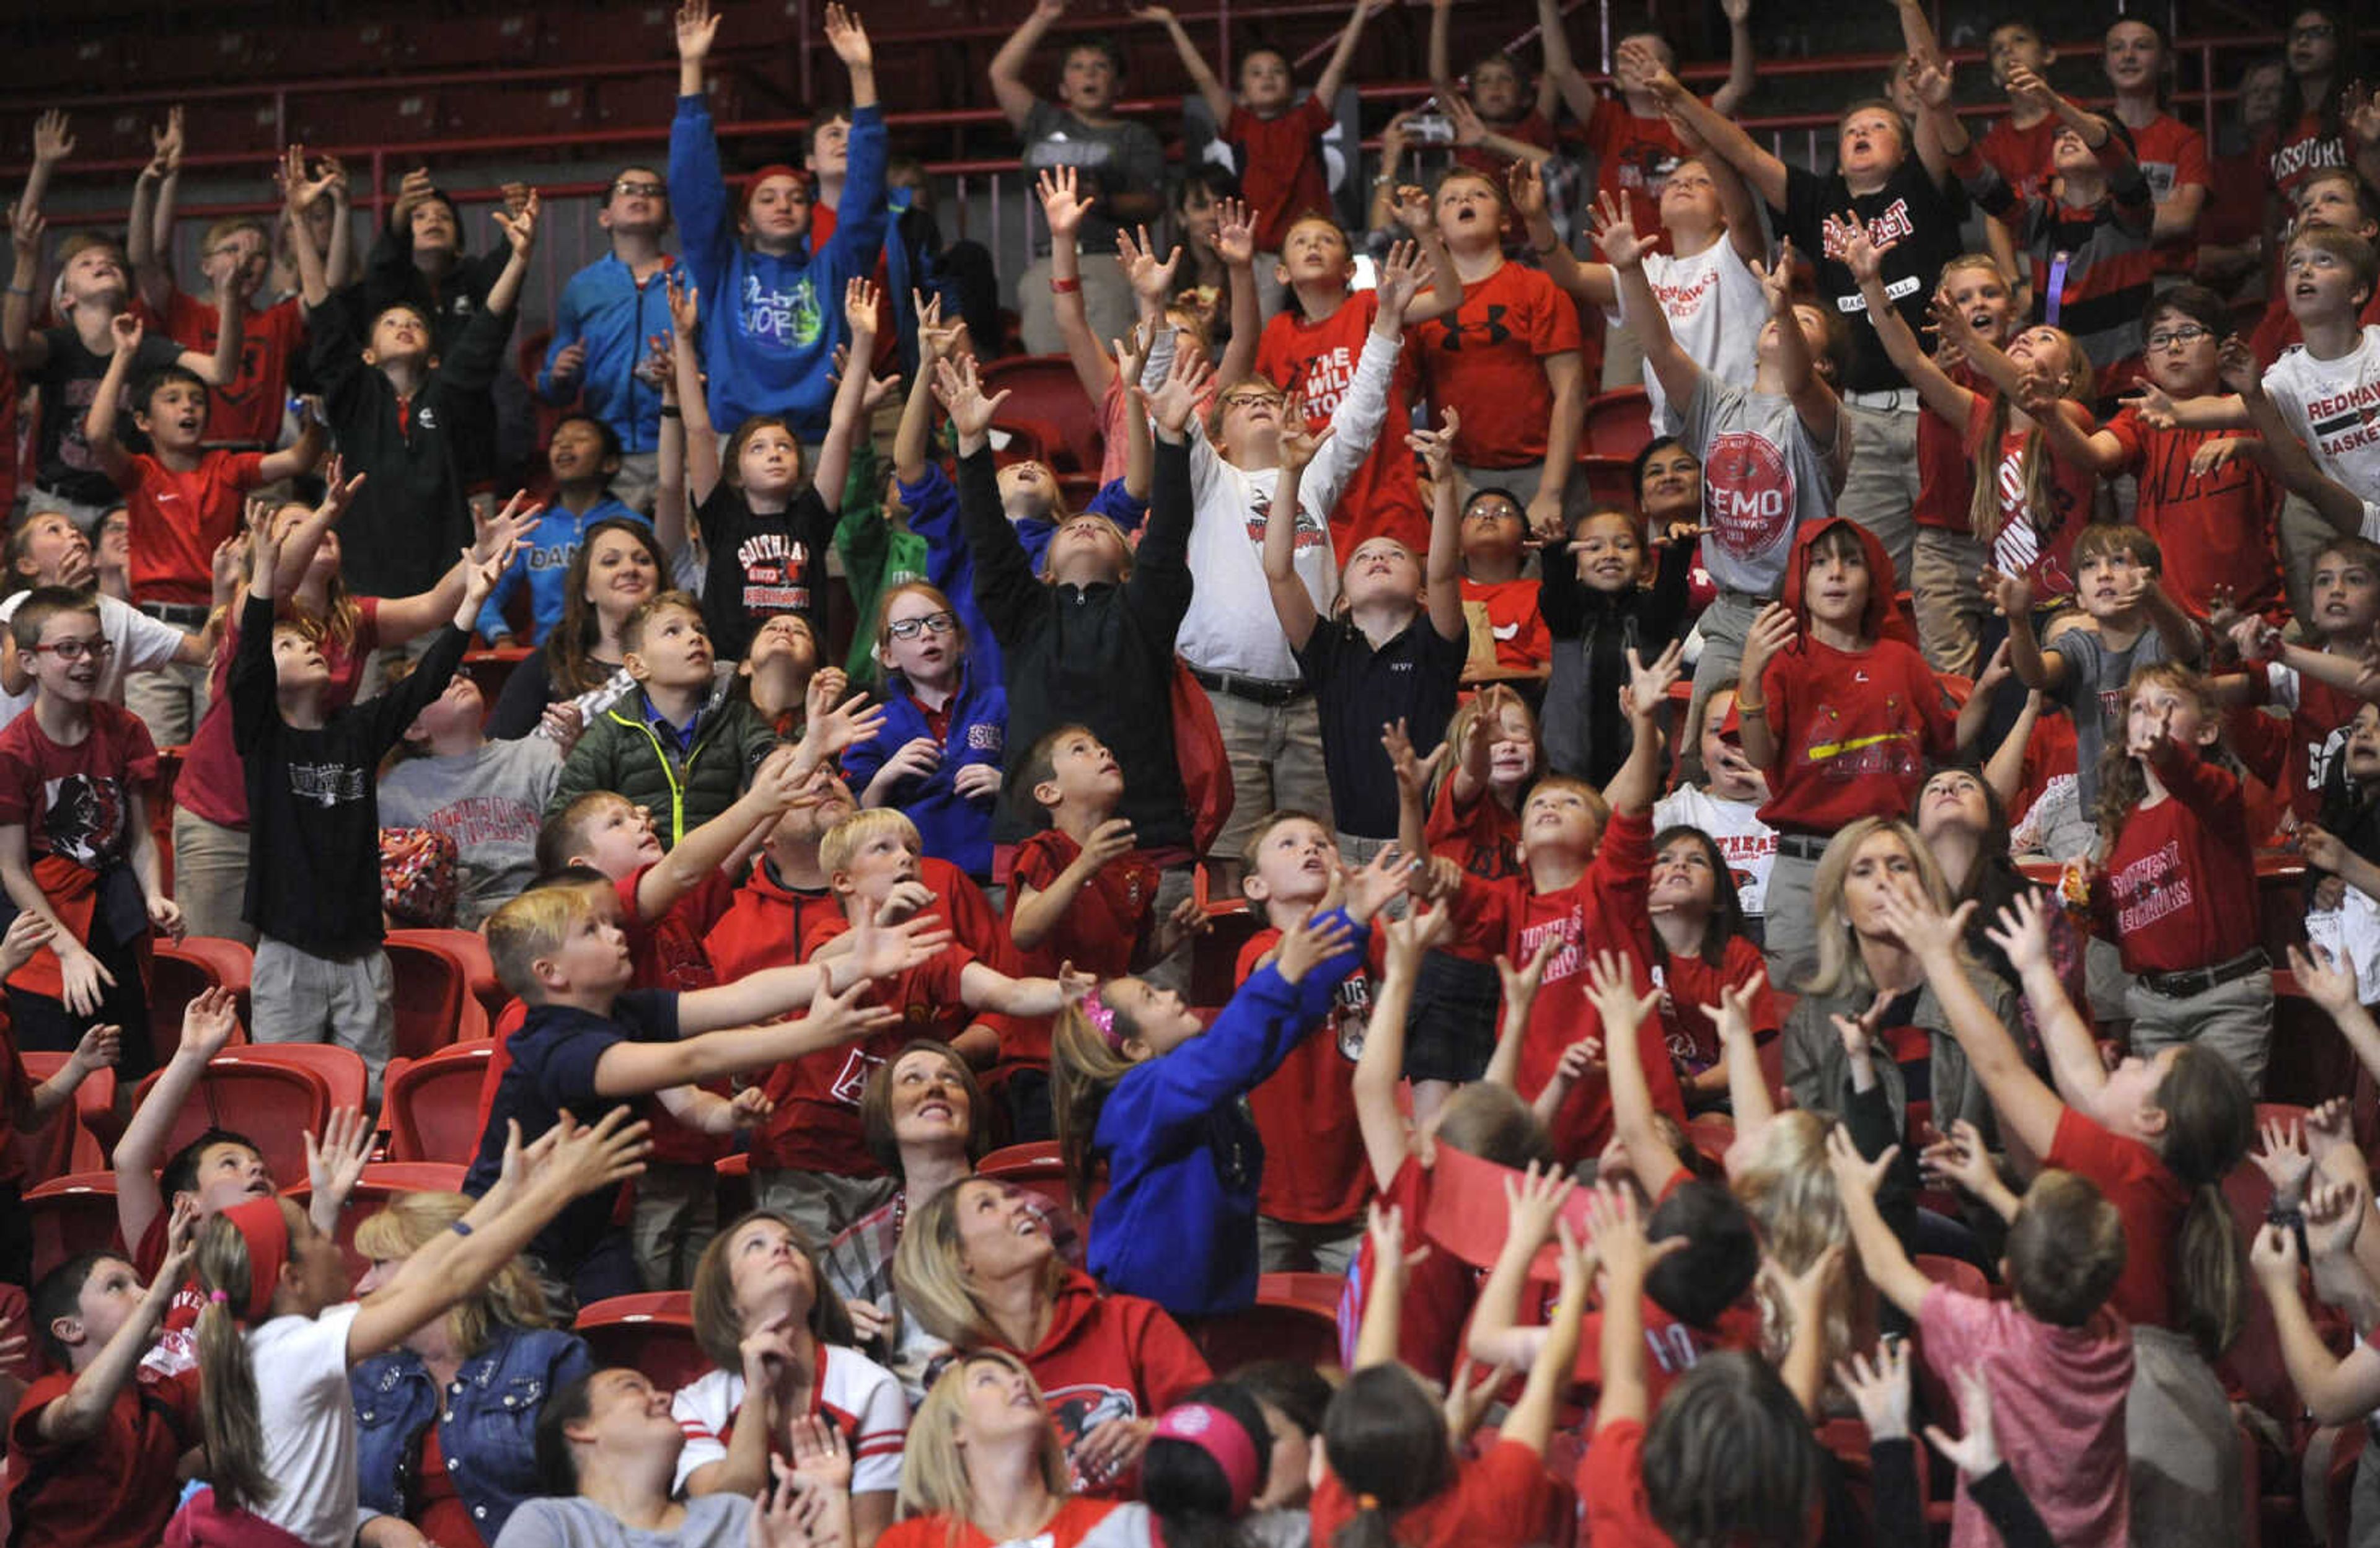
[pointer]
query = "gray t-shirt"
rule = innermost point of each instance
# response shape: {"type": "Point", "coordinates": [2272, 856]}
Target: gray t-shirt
{"type": "Point", "coordinates": [1123, 157]}
{"type": "Point", "coordinates": [1762, 476]}
{"type": "Point", "coordinates": [711, 1521]}
{"type": "Point", "coordinates": [489, 803]}
{"type": "Point", "coordinates": [2093, 694]}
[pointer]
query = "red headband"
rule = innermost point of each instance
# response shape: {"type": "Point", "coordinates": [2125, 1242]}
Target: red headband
{"type": "Point", "coordinates": [1220, 1436]}
{"type": "Point", "coordinates": [265, 1231]}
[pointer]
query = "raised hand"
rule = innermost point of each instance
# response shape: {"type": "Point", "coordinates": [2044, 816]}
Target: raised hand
{"type": "Point", "coordinates": [1151, 281]}
{"type": "Point", "coordinates": [1310, 942]}
{"type": "Point", "coordinates": [2328, 981]}
{"type": "Point", "coordinates": [2284, 1161]}
{"type": "Point", "coordinates": [1771, 632]}
{"type": "Point", "coordinates": [1847, 237]}
{"type": "Point", "coordinates": [1415, 211]}
{"type": "Point", "coordinates": [520, 229]}
{"type": "Point", "coordinates": [165, 144]}
{"type": "Point", "coordinates": [698, 26]}
{"type": "Point", "coordinates": [2334, 1213]}
{"type": "Point", "coordinates": [25, 227]}
{"type": "Point", "coordinates": [1615, 233]}
{"type": "Point", "coordinates": [1777, 280]}
{"type": "Point", "coordinates": [1926, 931]}
{"type": "Point", "coordinates": [1533, 1201]}
{"type": "Point", "coordinates": [52, 143]}
{"type": "Point", "coordinates": [685, 302]}
{"type": "Point", "coordinates": [28, 933]}
{"type": "Point", "coordinates": [937, 340]}
{"type": "Point", "coordinates": [1235, 231]}
{"type": "Point", "coordinates": [1417, 933]}
{"type": "Point", "coordinates": [1879, 1388]}
{"type": "Point", "coordinates": [337, 1159]}
{"type": "Point", "coordinates": [209, 1020]}
{"type": "Point", "coordinates": [1176, 398]}
{"type": "Point", "coordinates": [1976, 1452]}
{"type": "Point", "coordinates": [820, 1452]}
{"type": "Point", "coordinates": [1299, 444]}
{"type": "Point", "coordinates": [1618, 1231]}
{"type": "Point", "coordinates": [1131, 351]}
{"type": "Point", "coordinates": [847, 35]}
{"type": "Point", "coordinates": [1852, 1171]}
{"type": "Point", "coordinates": [1648, 683]}
{"type": "Point", "coordinates": [98, 1049]}
{"type": "Point", "coordinates": [1732, 1014]}
{"type": "Point", "coordinates": [1959, 1157]}
{"type": "Point", "coordinates": [1437, 447]}
{"type": "Point", "coordinates": [1526, 186]}
{"type": "Point", "coordinates": [1399, 277]}
{"type": "Point", "coordinates": [961, 391]}
{"type": "Point", "coordinates": [1370, 887]}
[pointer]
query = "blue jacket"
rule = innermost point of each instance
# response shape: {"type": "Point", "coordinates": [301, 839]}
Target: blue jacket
{"type": "Point", "coordinates": [487, 1428]}
{"type": "Point", "coordinates": [955, 828]}
{"type": "Point", "coordinates": [545, 564]}
{"type": "Point", "coordinates": [606, 310]}
{"type": "Point", "coordinates": [933, 507]}
{"type": "Point", "coordinates": [770, 325]}
{"type": "Point", "coordinates": [1178, 1223]}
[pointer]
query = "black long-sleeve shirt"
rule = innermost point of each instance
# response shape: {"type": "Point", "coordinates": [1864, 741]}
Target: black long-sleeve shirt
{"type": "Point", "coordinates": [1100, 656]}
{"type": "Point", "coordinates": [313, 796]}
{"type": "Point", "coordinates": [1585, 733]}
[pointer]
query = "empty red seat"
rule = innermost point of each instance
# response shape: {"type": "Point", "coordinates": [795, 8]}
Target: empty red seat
{"type": "Point", "coordinates": [1619, 423]}
{"type": "Point", "coordinates": [652, 1333]}
{"type": "Point", "coordinates": [272, 1101]}
{"type": "Point", "coordinates": [432, 1106]}
{"type": "Point", "coordinates": [358, 122]}
{"type": "Point", "coordinates": [71, 1214]}
{"type": "Point", "coordinates": [468, 948]}
{"type": "Point", "coordinates": [1046, 398]}
{"type": "Point", "coordinates": [544, 107]}
{"type": "Point", "coordinates": [1295, 1318]}
{"type": "Point", "coordinates": [185, 969]}
{"type": "Point", "coordinates": [435, 1005]}
{"type": "Point", "coordinates": [1610, 480]}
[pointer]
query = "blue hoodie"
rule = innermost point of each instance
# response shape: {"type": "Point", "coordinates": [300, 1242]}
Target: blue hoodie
{"type": "Point", "coordinates": [953, 827]}
{"type": "Point", "coordinates": [605, 308]}
{"type": "Point", "coordinates": [770, 325]}
{"type": "Point", "coordinates": [933, 507]}
{"type": "Point", "coordinates": [1178, 1222]}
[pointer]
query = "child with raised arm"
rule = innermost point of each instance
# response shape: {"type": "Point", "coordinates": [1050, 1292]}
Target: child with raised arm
{"type": "Point", "coordinates": [590, 1039]}
{"type": "Point", "coordinates": [1396, 654]}
{"type": "Point", "coordinates": [25, 1107]}
{"type": "Point", "coordinates": [394, 403]}
{"type": "Point", "coordinates": [96, 1441]}
{"type": "Point", "coordinates": [184, 503]}
{"type": "Point", "coordinates": [76, 847]}
{"type": "Point", "coordinates": [770, 295]}
{"type": "Point", "coordinates": [313, 878]}
{"type": "Point", "coordinates": [1773, 450]}
{"type": "Point", "coordinates": [1275, 138]}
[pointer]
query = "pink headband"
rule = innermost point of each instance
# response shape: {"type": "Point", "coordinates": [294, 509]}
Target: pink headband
{"type": "Point", "coordinates": [1220, 1436]}
{"type": "Point", "coordinates": [265, 1232]}
{"type": "Point", "coordinates": [1101, 1015]}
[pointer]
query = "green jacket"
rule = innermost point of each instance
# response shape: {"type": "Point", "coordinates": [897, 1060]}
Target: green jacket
{"type": "Point", "coordinates": [620, 751]}
{"type": "Point", "coordinates": [876, 556]}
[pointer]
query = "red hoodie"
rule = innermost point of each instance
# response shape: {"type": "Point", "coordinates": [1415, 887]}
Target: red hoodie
{"type": "Point", "coordinates": [1854, 729]}
{"type": "Point", "coordinates": [1110, 1357]}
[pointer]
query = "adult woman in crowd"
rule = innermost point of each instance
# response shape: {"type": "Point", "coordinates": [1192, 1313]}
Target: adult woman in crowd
{"type": "Point", "coordinates": [617, 567]}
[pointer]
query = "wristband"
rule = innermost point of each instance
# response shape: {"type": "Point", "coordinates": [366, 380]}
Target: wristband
{"type": "Point", "coordinates": [462, 1227]}
{"type": "Point", "coordinates": [1065, 287]}
{"type": "Point", "coordinates": [1750, 712]}
{"type": "Point", "coordinates": [672, 411]}
{"type": "Point", "coordinates": [24, 290]}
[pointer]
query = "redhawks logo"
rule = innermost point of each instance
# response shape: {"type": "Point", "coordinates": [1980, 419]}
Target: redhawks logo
{"type": "Point", "coordinates": [1748, 492]}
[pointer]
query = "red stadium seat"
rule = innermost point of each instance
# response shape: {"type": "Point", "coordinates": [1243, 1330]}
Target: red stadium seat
{"type": "Point", "coordinates": [733, 1191]}
{"type": "Point", "coordinates": [274, 1101]}
{"type": "Point", "coordinates": [70, 1216]}
{"type": "Point", "coordinates": [1295, 1317]}
{"type": "Point", "coordinates": [341, 1070]}
{"type": "Point", "coordinates": [652, 1333]}
{"type": "Point", "coordinates": [1046, 398]}
{"type": "Point", "coordinates": [1610, 480]}
{"type": "Point", "coordinates": [185, 969]}
{"type": "Point", "coordinates": [1619, 423]}
{"type": "Point", "coordinates": [95, 1099]}
{"type": "Point", "coordinates": [469, 42]}
{"type": "Point", "coordinates": [437, 999]}
{"type": "Point", "coordinates": [432, 1106]}
{"type": "Point", "coordinates": [380, 1181]}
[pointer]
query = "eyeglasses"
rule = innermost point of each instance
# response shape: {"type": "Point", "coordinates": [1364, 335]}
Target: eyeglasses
{"type": "Point", "coordinates": [641, 190]}
{"type": "Point", "coordinates": [910, 628]}
{"type": "Point", "coordinates": [1247, 400]}
{"type": "Point", "coordinates": [2188, 333]}
{"type": "Point", "coordinates": [74, 650]}
{"type": "Point", "coordinates": [2314, 34]}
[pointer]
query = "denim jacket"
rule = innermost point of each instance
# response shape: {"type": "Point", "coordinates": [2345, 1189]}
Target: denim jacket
{"type": "Point", "coordinates": [487, 1432]}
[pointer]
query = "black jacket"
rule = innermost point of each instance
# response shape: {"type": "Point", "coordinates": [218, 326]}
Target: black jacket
{"type": "Point", "coordinates": [1100, 656]}
{"type": "Point", "coordinates": [1586, 736]}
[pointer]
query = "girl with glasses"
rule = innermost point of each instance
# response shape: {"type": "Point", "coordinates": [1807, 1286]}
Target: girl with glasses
{"type": "Point", "coordinates": [938, 757]}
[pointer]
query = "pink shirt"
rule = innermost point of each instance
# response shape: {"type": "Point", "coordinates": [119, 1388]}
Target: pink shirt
{"type": "Point", "coordinates": [2058, 1411]}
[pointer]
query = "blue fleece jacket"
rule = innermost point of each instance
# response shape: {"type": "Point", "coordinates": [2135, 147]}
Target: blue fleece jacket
{"type": "Point", "coordinates": [770, 325]}
{"type": "Point", "coordinates": [605, 308]}
{"type": "Point", "coordinates": [1178, 1223]}
{"type": "Point", "coordinates": [545, 564]}
{"type": "Point", "coordinates": [933, 507]}
{"type": "Point", "coordinates": [955, 828]}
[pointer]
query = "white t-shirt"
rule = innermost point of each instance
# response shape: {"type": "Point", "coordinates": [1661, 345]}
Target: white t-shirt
{"type": "Point", "coordinates": [2334, 407]}
{"type": "Point", "coordinates": [1715, 310]}
{"type": "Point", "coordinates": [142, 644]}
{"type": "Point", "coordinates": [309, 1424]}
{"type": "Point", "coordinates": [1749, 843]}
{"type": "Point", "coordinates": [862, 1399]}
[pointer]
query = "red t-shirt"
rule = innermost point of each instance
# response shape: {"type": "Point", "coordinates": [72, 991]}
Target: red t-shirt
{"type": "Point", "coordinates": [115, 1489]}
{"type": "Point", "coordinates": [1316, 1170]}
{"type": "Point", "coordinates": [2303, 149]}
{"type": "Point", "coordinates": [1687, 984]}
{"type": "Point", "coordinates": [2174, 156]}
{"type": "Point", "coordinates": [1100, 932]}
{"type": "Point", "coordinates": [1485, 840]}
{"type": "Point", "coordinates": [1854, 731]}
{"type": "Point", "coordinates": [1504, 1497]}
{"type": "Point", "coordinates": [2317, 733]}
{"type": "Point", "coordinates": [1603, 910]}
{"type": "Point", "coordinates": [2038, 544]}
{"type": "Point", "coordinates": [249, 409]}
{"type": "Point", "coordinates": [1486, 360]}
{"type": "Point", "coordinates": [1523, 642]}
{"type": "Point", "coordinates": [2148, 1197]}
{"type": "Point", "coordinates": [1439, 1290]}
{"type": "Point", "coordinates": [179, 519]}
{"type": "Point", "coordinates": [2214, 528]}
{"type": "Point", "coordinates": [1611, 1489]}
{"type": "Point", "coordinates": [667, 953]}
{"type": "Point", "coordinates": [1672, 1347]}
{"type": "Point", "coordinates": [2181, 879]}
{"type": "Point", "coordinates": [212, 783]}
{"type": "Point", "coordinates": [2021, 156]}
{"type": "Point", "coordinates": [1281, 175]}
{"type": "Point", "coordinates": [440, 1513]}
{"type": "Point", "coordinates": [1317, 361]}
{"type": "Point", "coordinates": [1946, 473]}
{"type": "Point", "coordinates": [1633, 158]}
{"type": "Point", "coordinates": [1073, 1523]}
{"type": "Point", "coordinates": [76, 806]}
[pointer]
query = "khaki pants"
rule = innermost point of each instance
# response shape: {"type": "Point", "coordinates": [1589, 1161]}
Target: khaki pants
{"type": "Point", "coordinates": [1287, 1247]}
{"type": "Point", "coordinates": [1950, 607]}
{"type": "Point", "coordinates": [1106, 302]}
{"type": "Point", "coordinates": [1880, 492]}
{"type": "Point", "coordinates": [2234, 1019]}
{"type": "Point", "coordinates": [1789, 934]}
{"type": "Point", "coordinates": [1276, 756]}
{"type": "Point", "coordinates": [168, 701]}
{"type": "Point", "coordinates": [211, 876]}
{"type": "Point", "coordinates": [2303, 534]}
{"type": "Point", "coordinates": [349, 1002]}
{"type": "Point", "coordinates": [677, 1215]}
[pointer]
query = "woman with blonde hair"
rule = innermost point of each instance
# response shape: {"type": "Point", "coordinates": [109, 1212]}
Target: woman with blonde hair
{"type": "Point", "coordinates": [987, 1465]}
{"type": "Point", "coordinates": [978, 1270]}
{"type": "Point", "coordinates": [467, 1385]}
{"type": "Point", "coordinates": [781, 1345]}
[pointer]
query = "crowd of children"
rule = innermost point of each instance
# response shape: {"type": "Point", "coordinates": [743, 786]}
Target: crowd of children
{"type": "Point", "coordinates": [1716, 961]}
